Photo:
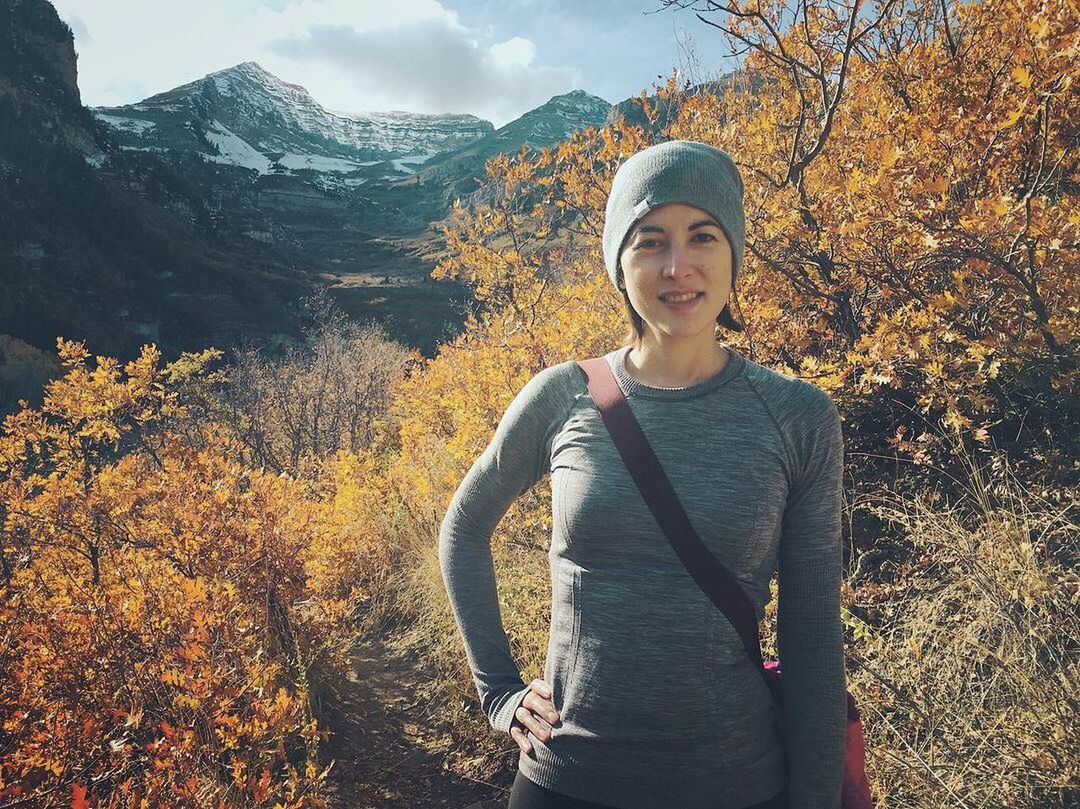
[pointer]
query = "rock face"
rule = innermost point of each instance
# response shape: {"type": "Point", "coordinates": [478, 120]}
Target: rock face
{"type": "Point", "coordinates": [556, 120]}
{"type": "Point", "coordinates": [38, 78]}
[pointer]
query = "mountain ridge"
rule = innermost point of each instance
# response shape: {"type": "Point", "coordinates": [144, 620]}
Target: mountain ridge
{"type": "Point", "coordinates": [272, 115]}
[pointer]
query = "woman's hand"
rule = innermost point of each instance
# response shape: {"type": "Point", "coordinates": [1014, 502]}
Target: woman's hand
{"type": "Point", "coordinates": [536, 713]}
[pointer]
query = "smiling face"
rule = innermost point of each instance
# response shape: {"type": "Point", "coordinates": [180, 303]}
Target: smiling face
{"type": "Point", "coordinates": [676, 265]}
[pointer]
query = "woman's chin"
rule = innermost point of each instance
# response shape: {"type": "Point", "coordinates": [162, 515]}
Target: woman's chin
{"type": "Point", "coordinates": [687, 331]}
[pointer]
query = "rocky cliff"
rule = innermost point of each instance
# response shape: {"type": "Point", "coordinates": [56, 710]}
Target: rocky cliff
{"type": "Point", "coordinates": [38, 77]}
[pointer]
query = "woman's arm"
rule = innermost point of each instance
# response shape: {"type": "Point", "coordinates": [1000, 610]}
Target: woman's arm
{"type": "Point", "coordinates": [517, 457]}
{"type": "Point", "coordinates": [810, 636]}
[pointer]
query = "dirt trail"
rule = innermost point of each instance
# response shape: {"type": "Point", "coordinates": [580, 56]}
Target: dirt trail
{"type": "Point", "coordinates": [393, 749]}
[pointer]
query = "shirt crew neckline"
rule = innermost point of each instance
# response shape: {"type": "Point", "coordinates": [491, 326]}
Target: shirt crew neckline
{"type": "Point", "coordinates": [632, 387]}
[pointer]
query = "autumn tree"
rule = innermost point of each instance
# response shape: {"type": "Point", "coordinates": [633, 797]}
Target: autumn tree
{"type": "Point", "coordinates": [326, 394]}
{"type": "Point", "coordinates": [165, 607]}
{"type": "Point", "coordinates": [912, 179]}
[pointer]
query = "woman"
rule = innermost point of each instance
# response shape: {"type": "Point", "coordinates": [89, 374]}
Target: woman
{"type": "Point", "coordinates": [648, 699]}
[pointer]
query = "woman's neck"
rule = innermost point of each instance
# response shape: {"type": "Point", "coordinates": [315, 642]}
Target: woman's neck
{"type": "Point", "coordinates": [678, 365]}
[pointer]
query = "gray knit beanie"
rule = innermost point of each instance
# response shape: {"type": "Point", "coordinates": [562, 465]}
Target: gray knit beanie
{"type": "Point", "coordinates": [676, 171]}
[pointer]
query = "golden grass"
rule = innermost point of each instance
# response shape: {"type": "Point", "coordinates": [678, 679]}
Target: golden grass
{"type": "Point", "coordinates": [969, 681]}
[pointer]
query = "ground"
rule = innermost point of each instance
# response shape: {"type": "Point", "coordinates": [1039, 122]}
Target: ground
{"type": "Point", "coordinates": [396, 749]}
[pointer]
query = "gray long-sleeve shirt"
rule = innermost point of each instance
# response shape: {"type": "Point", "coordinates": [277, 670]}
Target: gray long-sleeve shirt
{"type": "Point", "coordinates": [660, 705]}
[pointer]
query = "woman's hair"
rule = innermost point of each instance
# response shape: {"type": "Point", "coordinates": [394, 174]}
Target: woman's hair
{"type": "Point", "coordinates": [637, 324]}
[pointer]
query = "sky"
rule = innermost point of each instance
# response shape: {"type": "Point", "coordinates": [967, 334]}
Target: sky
{"type": "Point", "coordinates": [493, 58]}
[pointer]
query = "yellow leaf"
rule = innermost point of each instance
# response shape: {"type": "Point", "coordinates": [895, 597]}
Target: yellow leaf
{"type": "Point", "coordinates": [915, 648]}
{"type": "Point", "coordinates": [1022, 77]}
{"type": "Point", "coordinates": [889, 154]}
{"type": "Point", "coordinates": [854, 181]}
{"type": "Point", "coordinates": [1014, 116]}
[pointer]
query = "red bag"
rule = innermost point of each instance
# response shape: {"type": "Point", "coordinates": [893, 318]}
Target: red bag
{"type": "Point", "coordinates": [855, 793]}
{"type": "Point", "coordinates": [715, 580]}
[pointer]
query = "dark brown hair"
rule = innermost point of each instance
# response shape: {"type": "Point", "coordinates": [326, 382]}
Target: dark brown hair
{"type": "Point", "coordinates": [637, 324]}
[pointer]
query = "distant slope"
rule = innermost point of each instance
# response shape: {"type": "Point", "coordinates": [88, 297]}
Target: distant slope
{"type": "Point", "coordinates": [546, 125]}
{"type": "Point", "coordinates": [204, 214]}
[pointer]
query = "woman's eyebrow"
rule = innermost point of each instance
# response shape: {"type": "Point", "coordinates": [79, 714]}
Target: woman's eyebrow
{"type": "Point", "coordinates": [657, 229]}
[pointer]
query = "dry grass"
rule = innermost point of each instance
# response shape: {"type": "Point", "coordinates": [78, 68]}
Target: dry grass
{"type": "Point", "coordinates": [969, 680]}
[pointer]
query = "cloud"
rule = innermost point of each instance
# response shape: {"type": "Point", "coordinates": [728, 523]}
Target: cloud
{"type": "Point", "coordinates": [352, 55]}
{"type": "Point", "coordinates": [434, 64]}
{"type": "Point", "coordinates": [128, 88]}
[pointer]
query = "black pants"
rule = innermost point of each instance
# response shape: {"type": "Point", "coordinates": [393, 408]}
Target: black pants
{"type": "Point", "coordinates": [527, 795]}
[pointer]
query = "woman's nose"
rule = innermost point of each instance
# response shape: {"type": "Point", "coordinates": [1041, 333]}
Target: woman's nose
{"type": "Point", "coordinates": [678, 262]}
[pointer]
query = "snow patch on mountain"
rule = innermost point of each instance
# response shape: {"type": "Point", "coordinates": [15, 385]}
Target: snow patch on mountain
{"type": "Point", "coordinates": [234, 149]}
{"type": "Point", "coordinates": [292, 160]}
{"type": "Point", "coordinates": [409, 164]}
{"type": "Point", "coordinates": [136, 126]}
{"type": "Point", "coordinates": [223, 87]}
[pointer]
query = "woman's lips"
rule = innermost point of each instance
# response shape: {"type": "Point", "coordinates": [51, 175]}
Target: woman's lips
{"type": "Point", "coordinates": [683, 305]}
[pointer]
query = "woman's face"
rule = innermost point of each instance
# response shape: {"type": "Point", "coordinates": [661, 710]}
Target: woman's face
{"type": "Point", "coordinates": [675, 249]}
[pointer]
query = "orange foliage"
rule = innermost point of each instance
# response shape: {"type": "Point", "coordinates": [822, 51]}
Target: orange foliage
{"type": "Point", "coordinates": [913, 234]}
{"type": "Point", "coordinates": [912, 238]}
{"type": "Point", "coordinates": [161, 604]}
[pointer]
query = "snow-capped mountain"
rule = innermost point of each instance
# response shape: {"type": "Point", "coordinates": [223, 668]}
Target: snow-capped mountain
{"type": "Point", "coordinates": [248, 117]}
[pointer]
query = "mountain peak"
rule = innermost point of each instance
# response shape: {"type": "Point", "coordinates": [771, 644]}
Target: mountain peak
{"type": "Point", "coordinates": [246, 69]}
{"type": "Point", "coordinates": [252, 79]}
{"type": "Point", "coordinates": [579, 94]}
{"type": "Point", "coordinates": [576, 101]}
{"type": "Point", "coordinates": [247, 104]}
{"type": "Point", "coordinates": [252, 72]}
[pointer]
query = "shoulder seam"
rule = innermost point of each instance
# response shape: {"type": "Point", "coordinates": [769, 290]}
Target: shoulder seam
{"type": "Point", "coordinates": [574, 371]}
{"type": "Point", "coordinates": [792, 471]}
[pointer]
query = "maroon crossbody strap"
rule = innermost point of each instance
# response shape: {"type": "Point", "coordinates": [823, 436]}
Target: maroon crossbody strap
{"type": "Point", "coordinates": [712, 577]}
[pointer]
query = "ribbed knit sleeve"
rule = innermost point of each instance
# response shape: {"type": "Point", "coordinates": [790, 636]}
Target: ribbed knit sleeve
{"type": "Point", "coordinates": [517, 457]}
{"type": "Point", "coordinates": [809, 629]}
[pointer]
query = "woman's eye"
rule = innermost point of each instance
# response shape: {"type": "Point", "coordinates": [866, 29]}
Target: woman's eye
{"type": "Point", "coordinates": [645, 243]}
{"type": "Point", "coordinates": [705, 237]}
